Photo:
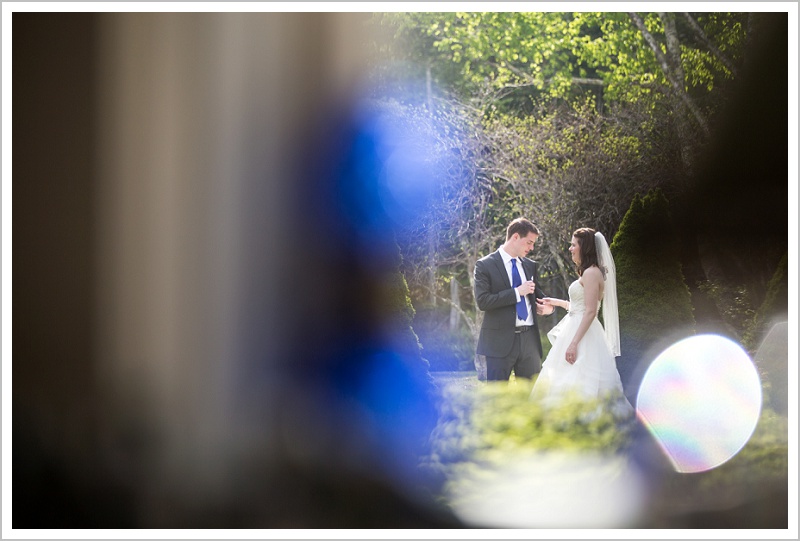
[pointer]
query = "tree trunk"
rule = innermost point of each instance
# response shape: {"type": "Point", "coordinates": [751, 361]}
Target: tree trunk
{"type": "Point", "coordinates": [456, 304]}
{"type": "Point", "coordinates": [429, 87]}
{"type": "Point", "coordinates": [676, 85]}
{"type": "Point", "coordinates": [673, 58]}
{"type": "Point", "coordinates": [432, 264]}
{"type": "Point", "coordinates": [480, 360]}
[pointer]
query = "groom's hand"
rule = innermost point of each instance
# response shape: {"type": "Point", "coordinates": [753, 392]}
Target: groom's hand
{"type": "Point", "coordinates": [526, 288]}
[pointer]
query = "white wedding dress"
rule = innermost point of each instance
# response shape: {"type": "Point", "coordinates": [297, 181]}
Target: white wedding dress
{"type": "Point", "coordinates": [594, 374]}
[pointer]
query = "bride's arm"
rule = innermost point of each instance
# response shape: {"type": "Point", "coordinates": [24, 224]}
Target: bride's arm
{"type": "Point", "coordinates": [550, 301]}
{"type": "Point", "coordinates": [592, 279]}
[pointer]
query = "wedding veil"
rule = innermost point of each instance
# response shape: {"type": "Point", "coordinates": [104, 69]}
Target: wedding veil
{"type": "Point", "coordinates": [609, 304]}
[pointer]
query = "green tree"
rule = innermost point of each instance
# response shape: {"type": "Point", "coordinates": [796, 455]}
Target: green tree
{"type": "Point", "coordinates": [655, 306]}
{"type": "Point", "coordinates": [627, 55]}
{"type": "Point", "coordinates": [574, 167]}
{"type": "Point", "coordinates": [560, 117]}
{"type": "Point", "coordinates": [675, 62]}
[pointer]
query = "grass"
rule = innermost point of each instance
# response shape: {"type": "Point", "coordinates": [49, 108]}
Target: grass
{"type": "Point", "coordinates": [459, 380]}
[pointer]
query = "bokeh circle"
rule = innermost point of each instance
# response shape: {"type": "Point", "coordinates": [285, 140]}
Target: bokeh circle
{"type": "Point", "coordinates": [701, 400]}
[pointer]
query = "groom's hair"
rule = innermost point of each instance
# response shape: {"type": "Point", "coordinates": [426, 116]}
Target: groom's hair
{"type": "Point", "coordinates": [522, 226]}
{"type": "Point", "coordinates": [585, 236]}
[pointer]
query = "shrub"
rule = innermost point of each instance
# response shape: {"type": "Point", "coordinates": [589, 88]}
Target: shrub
{"type": "Point", "coordinates": [733, 303]}
{"type": "Point", "coordinates": [486, 427]}
{"type": "Point", "coordinates": [480, 425]}
{"type": "Point", "coordinates": [654, 300]}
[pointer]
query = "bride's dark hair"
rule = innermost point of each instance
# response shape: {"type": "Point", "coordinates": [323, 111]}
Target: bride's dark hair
{"type": "Point", "coordinates": [586, 242]}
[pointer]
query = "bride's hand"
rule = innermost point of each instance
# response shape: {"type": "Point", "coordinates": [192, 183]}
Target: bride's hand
{"type": "Point", "coordinates": [572, 353]}
{"type": "Point", "coordinates": [542, 306]}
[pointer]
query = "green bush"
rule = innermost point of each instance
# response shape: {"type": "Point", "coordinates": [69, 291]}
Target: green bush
{"type": "Point", "coordinates": [479, 426]}
{"type": "Point", "coordinates": [485, 426]}
{"type": "Point", "coordinates": [654, 300]}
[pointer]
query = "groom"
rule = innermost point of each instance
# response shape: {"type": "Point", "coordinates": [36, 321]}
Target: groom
{"type": "Point", "coordinates": [506, 290]}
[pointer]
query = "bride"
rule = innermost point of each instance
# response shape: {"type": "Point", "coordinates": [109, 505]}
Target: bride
{"type": "Point", "coordinates": [581, 361]}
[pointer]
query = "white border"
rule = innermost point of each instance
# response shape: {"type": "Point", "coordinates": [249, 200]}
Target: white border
{"type": "Point", "coordinates": [364, 6]}
{"type": "Point", "coordinates": [6, 263]}
{"type": "Point", "coordinates": [794, 230]}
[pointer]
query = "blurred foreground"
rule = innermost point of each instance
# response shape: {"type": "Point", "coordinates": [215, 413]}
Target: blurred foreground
{"type": "Point", "coordinates": [200, 339]}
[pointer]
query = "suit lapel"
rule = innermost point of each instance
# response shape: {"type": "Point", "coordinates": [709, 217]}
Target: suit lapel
{"type": "Point", "coordinates": [527, 265]}
{"type": "Point", "coordinates": [501, 268]}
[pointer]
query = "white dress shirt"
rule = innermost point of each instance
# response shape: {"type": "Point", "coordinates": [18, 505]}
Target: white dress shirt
{"type": "Point", "coordinates": [507, 262]}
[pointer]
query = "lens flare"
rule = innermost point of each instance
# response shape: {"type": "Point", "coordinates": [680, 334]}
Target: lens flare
{"type": "Point", "coordinates": [701, 400]}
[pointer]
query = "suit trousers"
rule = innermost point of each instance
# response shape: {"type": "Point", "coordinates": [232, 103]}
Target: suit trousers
{"type": "Point", "coordinates": [524, 359]}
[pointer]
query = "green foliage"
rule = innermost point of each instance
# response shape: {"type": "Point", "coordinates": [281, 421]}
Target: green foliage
{"type": "Point", "coordinates": [395, 303]}
{"type": "Point", "coordinates": [733, 303]}
{"type": "Point", "coordinates": [775, 305]}
{"type": "Point", "coordinates": [573, 166]}
{"type": "Point", "coordinates": [654, 300]}
{"type": "Point", "coordinates": [483, 426]}
{"type": "Point", "coordinates": [480, 425]}
{"type": "Point", "coordinates": [398, 303]}
{"type": "Point", "coordinates": [561, 54]}
{"type": "Point", "coordinates": [561, 117]}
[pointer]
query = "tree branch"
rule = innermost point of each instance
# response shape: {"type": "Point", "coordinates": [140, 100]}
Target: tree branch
{"type": "Point", "coordinates": [473, 328]}
{"type": "Point", "coordinates": [711, 47]}
{"type": "Point", "coordinates": [539, 82]}
{"type": "Point", "coordinates": [676, 85]}
{"type": "Point", "coordinates": [673, 46]}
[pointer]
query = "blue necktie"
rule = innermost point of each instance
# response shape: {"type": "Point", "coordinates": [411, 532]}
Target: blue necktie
{"type": "Point", "coordinates": [516, 281]}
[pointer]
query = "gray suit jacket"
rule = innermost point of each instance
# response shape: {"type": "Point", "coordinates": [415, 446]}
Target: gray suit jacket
{"type": "Point", "coordinates": [495, 296]}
